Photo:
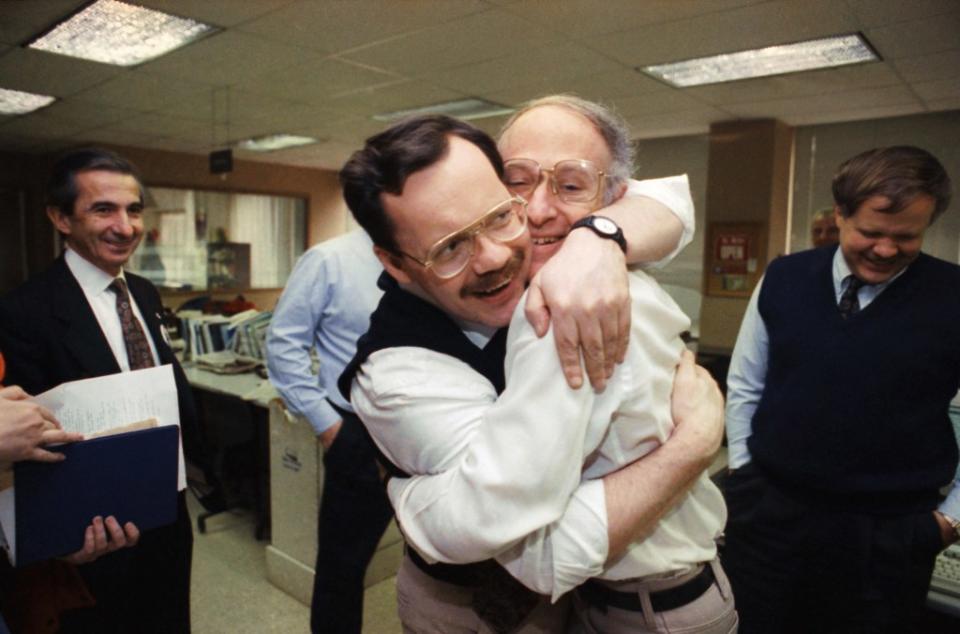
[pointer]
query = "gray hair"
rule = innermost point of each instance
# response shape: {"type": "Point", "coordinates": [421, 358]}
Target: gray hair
{"type": "Point", "coordinates": [607, 122]}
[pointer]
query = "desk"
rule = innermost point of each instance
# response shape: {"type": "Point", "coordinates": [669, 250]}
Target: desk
{"type": "Point", "coordinates": [233, 410]}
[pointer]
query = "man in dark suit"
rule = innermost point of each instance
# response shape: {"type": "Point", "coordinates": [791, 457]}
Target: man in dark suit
{"type": "Point", "coordinates": [85, 317]}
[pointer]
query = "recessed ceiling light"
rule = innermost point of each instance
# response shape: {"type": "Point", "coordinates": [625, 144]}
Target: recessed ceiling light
{"type": "Point", "coordinates": [118, 33]}
{"type": "Point", "coordinates": [762, 62]}
{"type": "Point", "coordinates": [275, 142]}
{"type": "Point", "coordinates": [465, 109]}
{"type": "Point", "coordinates": [17, 102]}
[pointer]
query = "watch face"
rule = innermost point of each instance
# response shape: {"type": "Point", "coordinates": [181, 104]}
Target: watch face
{"type": "Point", "coordinates": [605, 225]}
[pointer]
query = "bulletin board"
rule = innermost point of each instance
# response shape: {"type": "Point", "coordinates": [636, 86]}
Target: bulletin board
{"type": "Point", "coordinates": [734, 255]}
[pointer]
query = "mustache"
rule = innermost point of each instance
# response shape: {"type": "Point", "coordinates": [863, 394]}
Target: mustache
{"type": "Point", "coordinates": [493, 279]}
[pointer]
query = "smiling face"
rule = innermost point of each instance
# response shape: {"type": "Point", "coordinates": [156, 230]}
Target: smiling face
{"type": "Point", "coordinates": [441, 200]}
{"type": "Point", "coordinates": [878, 245]}
{"type": "Point", "coordinates": [549, 134]}
{"type": "Point", "coordinates": [107, 220]}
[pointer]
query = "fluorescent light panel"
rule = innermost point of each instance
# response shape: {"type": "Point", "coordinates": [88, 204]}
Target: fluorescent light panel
{"type": "Point", "coordinates": [275, 142]}
{"type": "Point", "coordinates": [465, 109]}
{"type": "Point", "coordinates": [119, 33]}
{"type": "Point", "coordinates": [762, 62]}
{"type": "Point", "coordinates": [17, 102]}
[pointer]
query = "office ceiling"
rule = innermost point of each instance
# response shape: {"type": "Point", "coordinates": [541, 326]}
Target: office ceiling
{"type": "Point", "coordinates": [323, 67]}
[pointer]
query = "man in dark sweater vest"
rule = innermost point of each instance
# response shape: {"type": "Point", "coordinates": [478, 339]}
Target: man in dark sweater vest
{"type": "Point", "coordinates": [837, 418]}
{"type": "Point", "coordinates": [429, 192]}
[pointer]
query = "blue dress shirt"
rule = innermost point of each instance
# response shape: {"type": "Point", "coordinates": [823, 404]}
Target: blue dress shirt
{"type": "Point", "coordinates": [326, 305]}
{"type": "Point", "coordinates": [748, 371]}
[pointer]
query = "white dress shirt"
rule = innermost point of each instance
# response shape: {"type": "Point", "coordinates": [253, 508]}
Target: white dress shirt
{"type": "Point", "coordinates": [508, 468]}
{"type": "Point", "coordinates": [95, 283]}
{"type": "Point", "coordinates": [674, 193]}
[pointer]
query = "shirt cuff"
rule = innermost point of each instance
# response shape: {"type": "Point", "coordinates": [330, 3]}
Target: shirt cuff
{"type": "Point", "coordinates": [320, 415]}
{"type": "Point", "coordinates": [558, 558]}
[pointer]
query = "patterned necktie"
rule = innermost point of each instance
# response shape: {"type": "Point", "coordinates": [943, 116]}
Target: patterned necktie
{"type": "Point", "coordinates": [849, 302]}
{"type": "Point", "coordinates": [138, 349]}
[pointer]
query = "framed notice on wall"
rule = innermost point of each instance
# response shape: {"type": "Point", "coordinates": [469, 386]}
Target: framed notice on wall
{"type": "Point", "coordinates": [734, 255]}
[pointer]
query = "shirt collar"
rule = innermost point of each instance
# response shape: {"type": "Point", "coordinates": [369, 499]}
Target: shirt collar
{"type": "Point", "coordinates": [92, 279]}
{"type": "Point", "coordinates": [841, 270]}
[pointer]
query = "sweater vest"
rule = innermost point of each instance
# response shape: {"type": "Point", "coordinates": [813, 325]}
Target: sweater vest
{"type": "Point", "coordinates": [859, 407]}
{"type": "Point", "coordinates": [403, 319]}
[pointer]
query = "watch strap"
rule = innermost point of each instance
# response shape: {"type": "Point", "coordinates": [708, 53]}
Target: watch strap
{"type": "Point", "coordinates": [593, 223]}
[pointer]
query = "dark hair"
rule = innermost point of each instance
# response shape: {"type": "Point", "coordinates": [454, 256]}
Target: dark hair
{"type": "Point", "coordinates": [899, 173]}
{"type": "Point", "coordinates": [61, 189]}
{"type": "Point", "coordinates": [389, 158]}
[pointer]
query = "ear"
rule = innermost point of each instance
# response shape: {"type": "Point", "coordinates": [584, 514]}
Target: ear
{"type": "Point", "coordinates": [60, 220]}
{"type": "Point", "coordinates": [837, 215]}
{"type": "Point", "coordinates": [392, 264]}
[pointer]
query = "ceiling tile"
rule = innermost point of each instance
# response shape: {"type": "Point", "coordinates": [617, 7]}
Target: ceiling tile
{"type": "Point", "coordinates": [21, 21]}
{"type": "Point", "coordinates": [852, 100]}
{"type": "Point", "coordinates": [937, 90]}
{"type": "Point", "coordinates": [141, 91]}
{"type": "Point", "coordinates": [917, 37]}
{"type": "Point", "coordinates": [952, 103]}
{"type": "Point", "coordinates": [666, 101]}
{"type": "Point", "coordinates": [728, 31]}
{"type": "Point", "coordinates": [537, 70]}
{"type": "Point", "coordinates": [50, 74]}
{"type": "Point", "coordinates": [228, 58]}
{"type": "Point", "coordinates": [87, 115]}
{"type": "Point", "coordinates": [42, 126]}
{"type": "Point", "coordinates": [401, 95]}
{"type": "Point", "coordinates": [338, 25]}
{"type": "Point", "coordinates": [940, 65]}
{"type": "Point", "coordinates": [493, 34]}
{"type": "Point", "coordinates": [584, 18]}
{"type": "Point", "coordinates": [317, 80]}
{"type": "Point", "coordinates": [118, 137]}
{"type": "Point", "coordinates": [604, 87]}
{"type": "Point", "coordinates": [226, 105]}
{"type": "Point", "coordinates": [824, 81]}
{"type": "Point", "coordinates": [216, 12]}
{"type": "Point", "coordinates": [871, 13]}
{"type": "Point", "coordinates": [852, 114]}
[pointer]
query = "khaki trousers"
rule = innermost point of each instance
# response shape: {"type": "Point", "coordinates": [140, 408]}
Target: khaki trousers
{"type": "Point", "coordinates": [430, 606]}
{"type": "Point", "coordinates": [711, 613]}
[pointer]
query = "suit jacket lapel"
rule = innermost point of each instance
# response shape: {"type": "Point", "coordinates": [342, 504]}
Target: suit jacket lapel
{"type": "Point", "coordinates": [81, 331]}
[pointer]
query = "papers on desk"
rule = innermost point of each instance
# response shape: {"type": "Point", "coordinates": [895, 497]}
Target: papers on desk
{"type": "Point", "coordinates": [226, 362]}
{"type": "Point", "coordinates": [97, 405]}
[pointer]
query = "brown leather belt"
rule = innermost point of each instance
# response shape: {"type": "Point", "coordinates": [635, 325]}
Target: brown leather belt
{"type": "Point", "coordinates": [600, 595]}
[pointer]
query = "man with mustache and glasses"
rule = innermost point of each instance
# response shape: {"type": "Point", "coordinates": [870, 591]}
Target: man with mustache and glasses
{"type": "Point", "coordinates": [837, 420]}
{"type": "Point", "coordinates": [588, 306]}
{"type": "Point", "coordinates": [429, 370]}
{"type": "Point", "coordinates": [72, 322]}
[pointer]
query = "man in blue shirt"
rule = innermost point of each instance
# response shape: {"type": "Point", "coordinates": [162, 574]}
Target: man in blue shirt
{"type": "Point", "coordinates": [837, 414]}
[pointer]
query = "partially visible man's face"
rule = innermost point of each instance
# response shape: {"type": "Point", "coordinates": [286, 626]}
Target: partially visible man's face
{"type": "Point", "coordinates": [879, 245]}
{"type": "Point", "coordinates": [439, 201]}
{"type": "Point", "coordinates": [824, 231]}
{"type": "Point", "coordinates": [107, 221]}
{"type": "Point", "coordinates": [547, 135]}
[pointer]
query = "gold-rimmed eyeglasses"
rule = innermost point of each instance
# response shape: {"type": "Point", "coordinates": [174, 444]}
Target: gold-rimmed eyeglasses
{"type": "Point", "coordinates": [451, 254]}
{"type": "Point", "coordinates": [572, 180]}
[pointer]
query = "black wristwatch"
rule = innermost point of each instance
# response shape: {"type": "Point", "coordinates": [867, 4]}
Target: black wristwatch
{"type": "Point", "coordinates": [603, 227]}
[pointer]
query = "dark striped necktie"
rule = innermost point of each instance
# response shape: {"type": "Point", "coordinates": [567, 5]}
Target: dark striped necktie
{"type": "Point", "coordinates": [849, 302]}
{"type": "Point", "coordinates": [138, 348]}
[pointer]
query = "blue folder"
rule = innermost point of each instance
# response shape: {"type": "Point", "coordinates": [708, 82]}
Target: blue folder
{"type": "Point", "coordinates": [132, 476]}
